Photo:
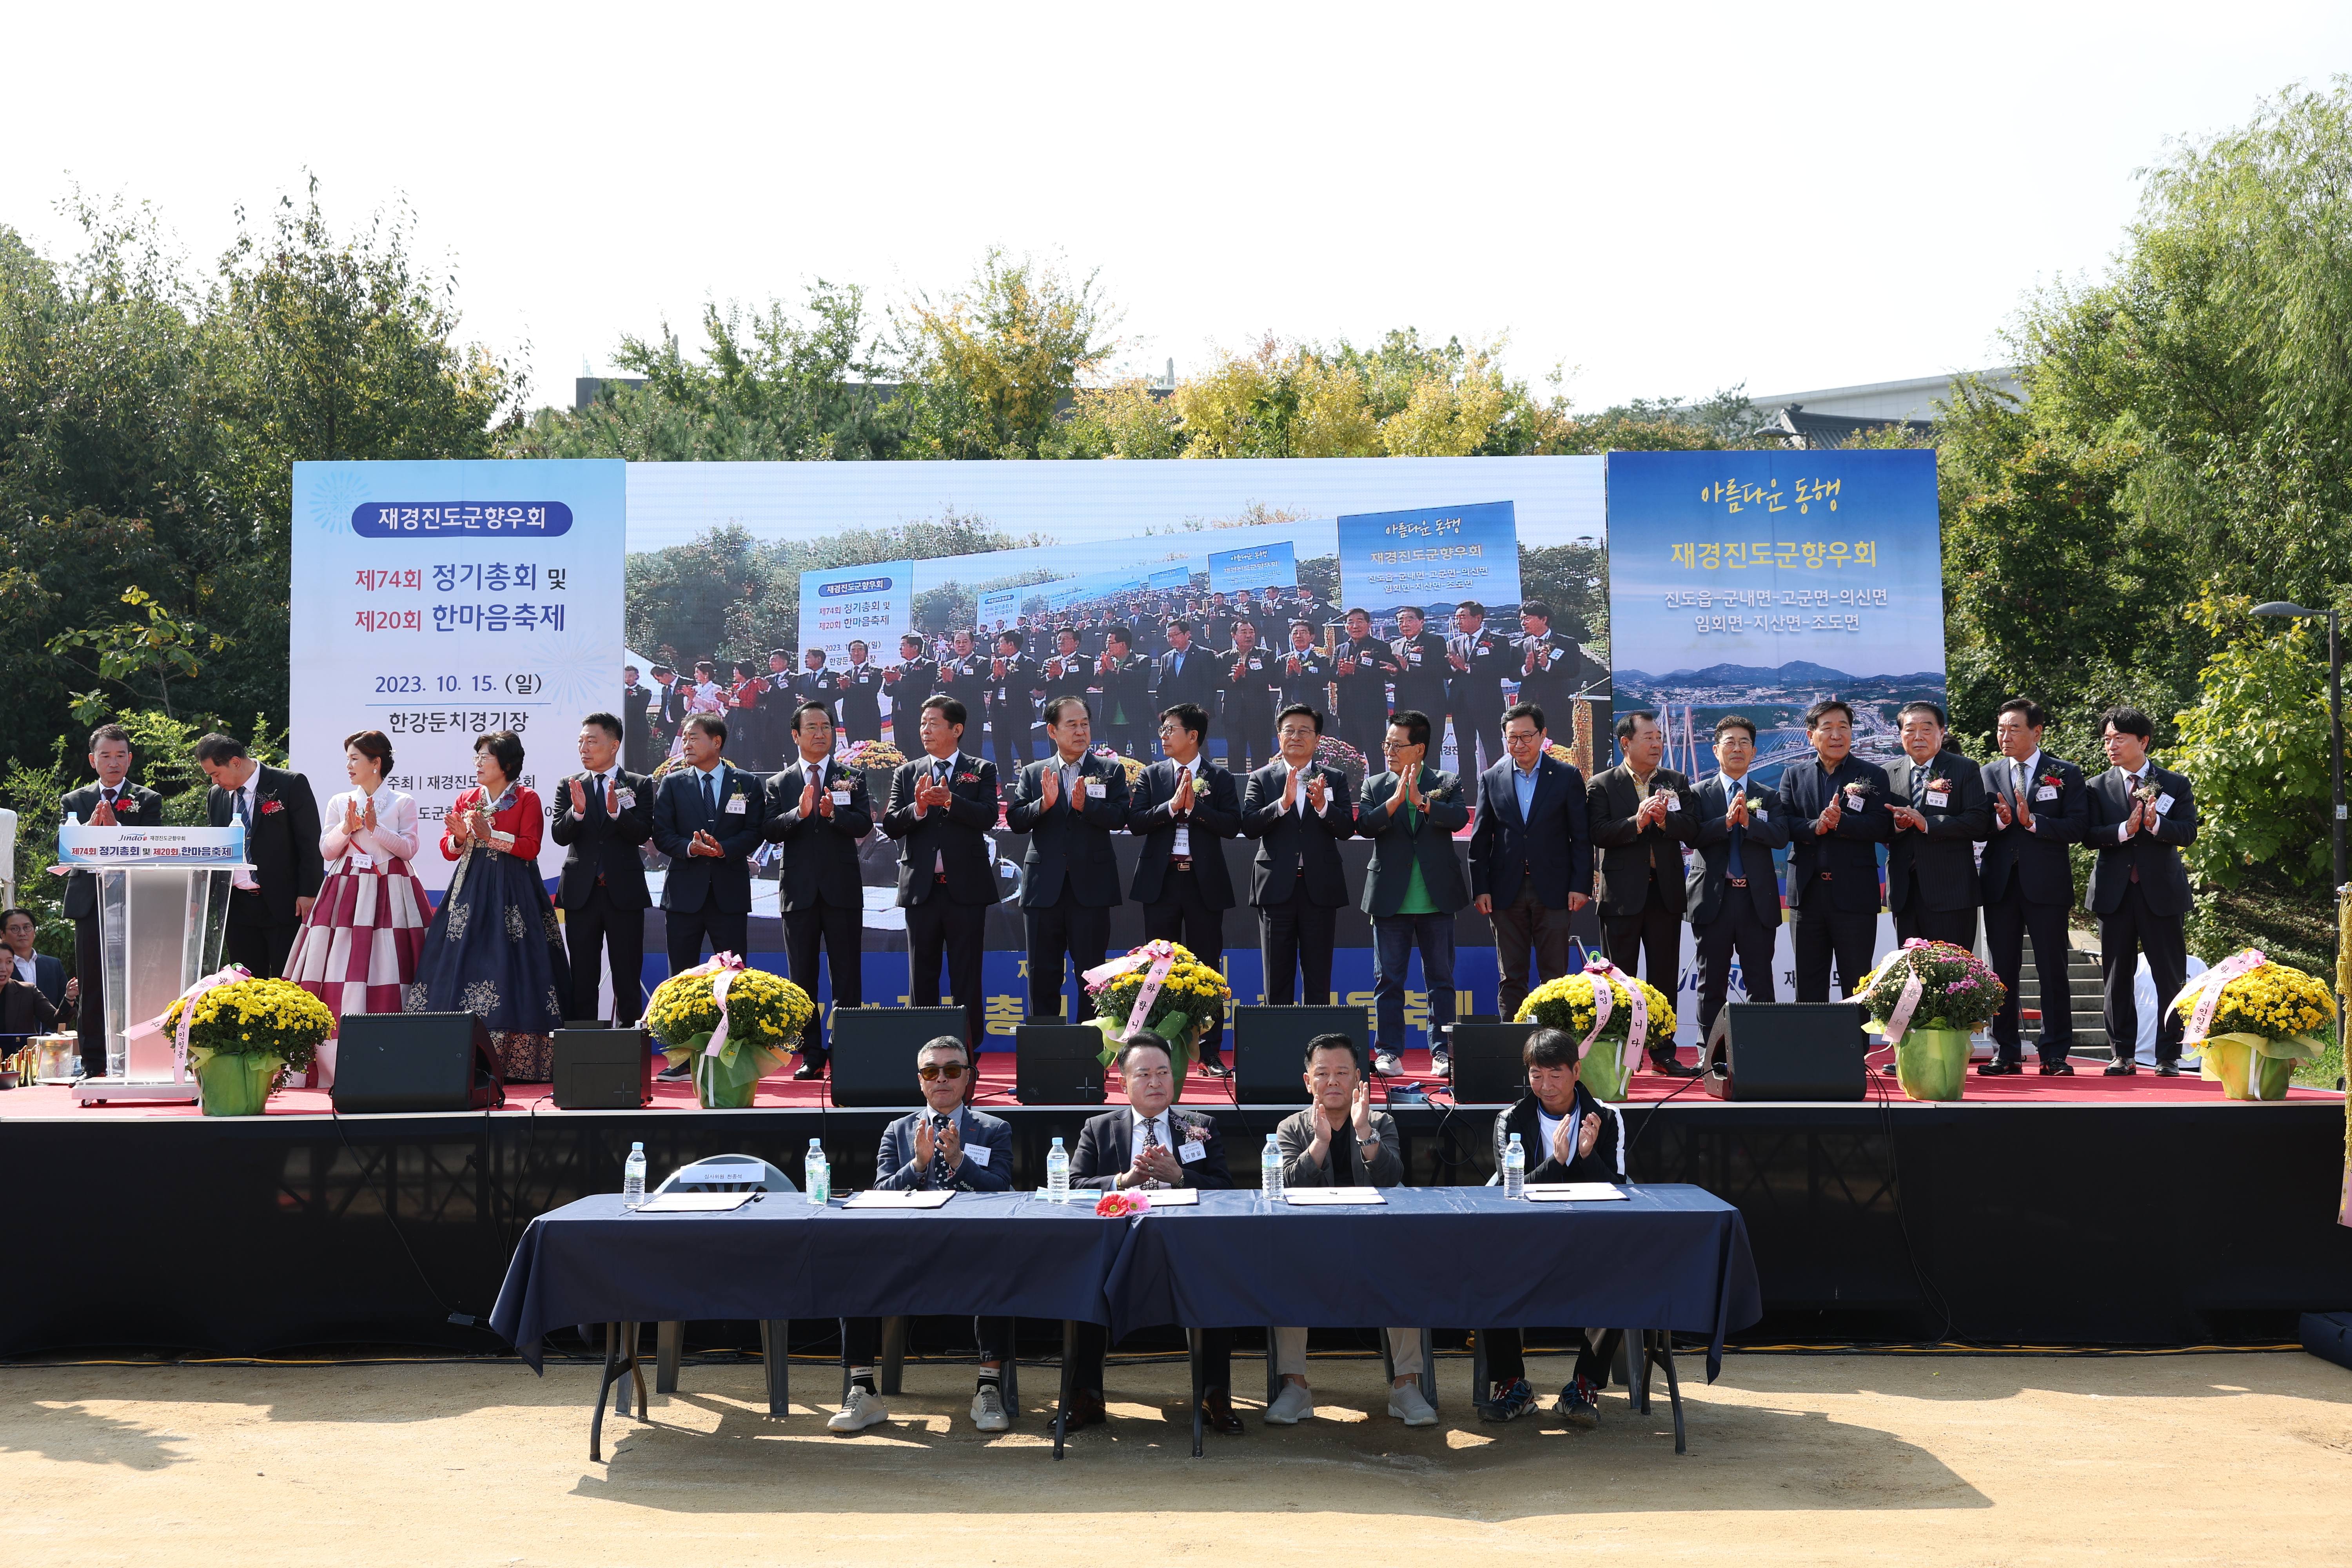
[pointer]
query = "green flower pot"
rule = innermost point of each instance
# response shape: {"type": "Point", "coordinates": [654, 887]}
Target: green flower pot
{"type": "Point", "coordinates": [237, 1086]}
{"type": "Point", "coordinates": [718, 1089]}
{"type": "Point", "coordinates": [1603, 1074]}
{"type": "Point", "coordinates": [1933, 1064]}
{"type": "Point", "coordinates": [2225, 1061]}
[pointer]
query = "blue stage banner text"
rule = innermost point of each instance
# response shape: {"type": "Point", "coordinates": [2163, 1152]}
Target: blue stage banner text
{"type": "Point", "coordinates": [1432, 559]}
{"type": "Point", "coordinates": [1262, 566]}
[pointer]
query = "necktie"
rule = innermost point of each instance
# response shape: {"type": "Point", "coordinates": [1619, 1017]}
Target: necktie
{"type": "Point", "coordinates": [1151, 1141]}
{"type": "Point", "coordinates": [711, 795]}
{"type": "Point", "coordinates": [939, 1174]}
{"type": "Point", "coordinates": [1919, 785]}
{"type": "Point", "coordinates": [2016, 781]}
{"type": "Point", "coordinates": [1739, 840]}
{"type": "Point", "coordinates": [244, 810]}
{"type": "Point", "coordinates": [110, 797]}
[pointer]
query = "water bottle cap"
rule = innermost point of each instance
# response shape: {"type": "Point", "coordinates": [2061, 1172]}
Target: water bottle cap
{"type": "Point", "coordinates": [819, 1143]}
{"type": "Point", "coordinates": [636, 1148]}
{"type": "Point", "coordinates": [1515, 1137]}
{"type": "Point", "coordinates": [1057, 1143]}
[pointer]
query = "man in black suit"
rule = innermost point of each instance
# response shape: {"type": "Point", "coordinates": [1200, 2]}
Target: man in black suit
{"type": "Point", "coordinates": [1013, 678]}
{"type": "Point", "coordinates": [281, 838]}
{"type": "Point", "coordinates": [1065, 672]}
{"type": "Point", "coordinates": [963, 675]}
{"type": "Point", "coordinates": [942, 809]}
{"type": "Point", "coordinates": [669, 711]}
{"type": "Point", "coordinates": [1481, 662]}
{"type": "Point", "coordinates": [602, 813]}
{"type": "Point", "coordinates": [814, 683]}
{"type": "Point", "coordinates": [113, 801]}
{"type": "Point", "coordinates": [1304, 672]}
{"type": "Point", "coordinates": [2040, 806]}
{"type": "Point", "coordinates": [1733, 898]}
{"type": "Point", "coordinates": [1068, 805]}
{"type": "Point", "coordinates": [636, 726]}
{"type": "Point", "coordinates": [1146, 1144]}
{"type": "Point", "coordinates": [819, 810]}
{"type": "Point", "coordinates": [1188, 673]}
{"type": "Point", "coordinates": [1297, 810]}
{"type": "Point", "coordinates": [34, 989]}
{"type": "Point", "coordinates": [1641, 816]}
{"type": "Point", "coordinates": [2141, 818]}
{"type": "Point", "coordinates": [909, 682]}
{"type": "Point", "coordinates": [1361, 667]}
{"type": "Point", "coordinates": [1422, 677]}
{"type": "Point", "coordinates": [860, 685]}
{"type": "Point", "coordinates": [1414, 886]}
{"type": "Point", "coordinates": [1937, 803]}
{"type": "Point", "coordinates": [1184, 808]}
{"type": "Point", "coordinates": [708, 818]}
{"type": "Point", "coordinates": [1124, 677]}
{"type": "Point", "coordinates": [1837, 812]}
{"type": "Point", "coordinates": [1549, 664]}
{"type": "Point", "coordinates": [1531, 856]}
{"type": "Point", "coordinates": [1248, 675]}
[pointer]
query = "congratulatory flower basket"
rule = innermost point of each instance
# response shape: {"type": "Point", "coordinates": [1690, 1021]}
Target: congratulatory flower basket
{"type": "Point", "coordinates": [1604, 1006]}
{"type": "Point", "coordinates": [734, 1024]}
{"type": "Point", "coordinates": [1930, 998]}
{"type": "Point", "coordinates": [2251, 1020]}
{"type": "Point", "coordinates": [1160, 988]}
{"type": "Point", "coordinates": [241, 1037]}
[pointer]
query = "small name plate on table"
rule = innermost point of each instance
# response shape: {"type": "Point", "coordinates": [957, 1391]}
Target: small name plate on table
{"type": "Point", "coordinates": [1576, 1193]}
{"type": "Point", "coordinates": [694, 1203]}
{"type": "Point", "coordinates": [911, 1200]}
{"type": "Point", "coordinates": [1332, 1197]}
{"type": "Point", "coordinates": [1173, 1197]}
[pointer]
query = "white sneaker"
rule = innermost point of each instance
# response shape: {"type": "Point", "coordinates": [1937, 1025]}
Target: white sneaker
{"type": "Point", "coordinates": [1386, 1064]}
{"type": "Point", "coordinates": [1291, 1406]}
{"type": "Point", "coordinates": [1407, 1405]}
{"type": "Point", "coordinates": [1441, 1062]}
{"type": "Point", "coordinates": [987, 1410]}
{"type": "Point", "coordinates": [862, 1409]}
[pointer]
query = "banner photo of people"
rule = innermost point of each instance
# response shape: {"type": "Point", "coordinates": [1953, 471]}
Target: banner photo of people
{"type": "Point", "coordinates": [1753, 584]}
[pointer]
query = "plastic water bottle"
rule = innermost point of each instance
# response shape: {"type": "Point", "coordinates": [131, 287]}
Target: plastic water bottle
{"type": "Point", "coordinates": [1514, 1168]}
{"type": "Point", "coordinates": [816, 1174]}
{"type": "Point", "coordinates": [633, 1177]}
{"type": "Point", "coordinates": [1269, 1171]}
{"type": "Point", "coordinates": [1057, 1174]}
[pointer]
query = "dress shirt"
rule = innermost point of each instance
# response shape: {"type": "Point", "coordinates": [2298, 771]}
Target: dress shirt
{"type": "Point", "coordinates": [247, 812]}
{"type": "Point", "coordinates": [2132, 781]}
{"type": "Point", "coordinates": [1523, 784]}
{"type": "Point", "coordinates": [2022, 774]}
{"type": "Point", "coordinates": [26, 969]}
{"type": "Point", "coordinates": [1182, 843]}
{"type": "Point", "coordinates": [1143, 1130]}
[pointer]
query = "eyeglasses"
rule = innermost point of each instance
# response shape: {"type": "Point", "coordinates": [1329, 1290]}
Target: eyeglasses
{"type": "Point", "coordinates": [936, 1070]}
{"type": "Point", "coordinates": [1399, 745]}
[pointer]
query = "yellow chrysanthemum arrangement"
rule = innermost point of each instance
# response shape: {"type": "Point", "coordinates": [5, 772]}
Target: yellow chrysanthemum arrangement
{"type": "Point", "coordinates": [1192, 1000]}
{"type": "Point", "coordinates": [2265, 1021]}
{"type": "Point", "coordinates": [874, 754]}
{"type": "Point", "coordinates": [766, 1015]}
{"type": "Point", "coordinates": [255, 1018]}
{"type": "Point", "coordinates": [1566, 1004]}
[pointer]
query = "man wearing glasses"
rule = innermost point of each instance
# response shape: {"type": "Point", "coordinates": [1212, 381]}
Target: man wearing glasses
{"type": "Point", "coordinates": [946, 1146]}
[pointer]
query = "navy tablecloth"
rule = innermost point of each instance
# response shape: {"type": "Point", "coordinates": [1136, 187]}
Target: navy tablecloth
{"type": "Point", "coordinates": [1666, 1257]}
{"type": "Point", "coordinates": [997, 1253]}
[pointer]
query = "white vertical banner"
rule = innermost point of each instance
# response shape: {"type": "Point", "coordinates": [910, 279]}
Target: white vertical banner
{"type": "Point", "coordinates": [439, 602]}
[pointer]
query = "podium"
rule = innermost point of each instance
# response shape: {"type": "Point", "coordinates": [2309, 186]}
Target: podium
{"type": "Point", "coordinates": [163, 912]}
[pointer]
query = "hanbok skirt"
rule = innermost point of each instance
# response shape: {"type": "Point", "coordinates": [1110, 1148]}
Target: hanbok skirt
{"type": "Point", "coordinates": [357, 950]}
{"type": "Point", "coordinates": [493, 949]}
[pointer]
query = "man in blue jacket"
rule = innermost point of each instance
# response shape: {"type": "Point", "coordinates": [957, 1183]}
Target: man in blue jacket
{"type": "Point", "coordinates": [1530, 854]}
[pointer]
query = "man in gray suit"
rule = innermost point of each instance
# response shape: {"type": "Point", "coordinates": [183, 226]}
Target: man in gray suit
{"type": "Point", "coordinates": [1414, 885]}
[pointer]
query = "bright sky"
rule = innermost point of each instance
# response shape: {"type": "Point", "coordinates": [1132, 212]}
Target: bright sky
{"type": "Point", "coordinates": [1665, 199]}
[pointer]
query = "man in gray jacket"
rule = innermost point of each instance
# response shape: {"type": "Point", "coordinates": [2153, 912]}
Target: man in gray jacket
{"type": "Point", "coordinates": [1339, 1141]}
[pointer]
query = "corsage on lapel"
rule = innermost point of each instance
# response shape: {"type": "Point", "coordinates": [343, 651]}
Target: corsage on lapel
{"type": "Point", "coordinates": [271, 806]}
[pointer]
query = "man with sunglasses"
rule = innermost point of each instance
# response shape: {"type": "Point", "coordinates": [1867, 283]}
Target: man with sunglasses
{"type": "Point", "coordinates": [945, 1146]}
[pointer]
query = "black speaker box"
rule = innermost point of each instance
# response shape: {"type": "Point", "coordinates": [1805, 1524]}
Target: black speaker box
{"type": "Point", "coordinates": [1787, 1050]}
{"type": "Point", "coordinates": [1270, 1048]}
{"type": "Point", "coordinates": [1489, 1063]}
{"type": "Point", "coordinates": [414, 1061]}
{"type": "Point", "coordinates": [601, 1068]}
{"type": "Point", "coordinates": [1057, 1064]}
{"type": "Point", "coordinates": [874, 1051]}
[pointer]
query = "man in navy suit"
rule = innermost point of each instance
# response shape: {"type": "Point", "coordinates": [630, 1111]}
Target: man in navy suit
{"type": "Point", "coordinates": [1184, 808]}
{"type": "Point", "coordinates": [281, 840]}
{"type": "Point", "coordinates": [1297, 810]}
{"type": "Point", "coordinates": [946, 1146]}
{"type": "Point", "coordinates": [603, 814]}
{"type": "Point", "coordinates": [33, 986]}
{"type": "Point", "coordinates": [2141, 817]}
{"type": "Point", "coordinates": [113, 800]}
{"type": "Point", "coordinates": [708, 818]}
{"type": "Point", "coordinates": [1068, 805]}
{"type": "Point", "coordinates": [2040, 806]}
{"type": "Point", "coordinates": [819, 811]}
{"type": "Point", "coordinates": [1187, 672]}
{"type": "Point", "coordinates": [1837, 816]}
{"type": "Point", "coordinates": [1733, 898]}
{"type": "Point", "coordinates": [1531, 856]}
{"type": "Point", "coordinates": [1941, 811]}
{"type": "Point", "coordinates": [942, 808]}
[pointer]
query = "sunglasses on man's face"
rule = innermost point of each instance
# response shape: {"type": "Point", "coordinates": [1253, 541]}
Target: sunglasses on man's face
{"type": "Point", "coordinates": [936, 1070]}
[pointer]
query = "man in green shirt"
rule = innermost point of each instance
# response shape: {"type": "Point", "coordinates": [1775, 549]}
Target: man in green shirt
{"type": "Point", "coordinates": [1411, 813]}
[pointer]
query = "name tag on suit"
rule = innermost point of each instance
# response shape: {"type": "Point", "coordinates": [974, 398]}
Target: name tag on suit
{"type": "Point", "coordinates": [841, 797]}
{"type": "Point", "coordinates": [1938, 798]}
{"type": "Point", "coordinates": [1189, 1151]}
{"type": "Point", "coordinates": [2047, 792]}
{"type": "Point", "coordinates": [1096, 789]}
{"type": "Point", "coordinates": [735, 805]}
{"type": "Point", "coordinates": [2163, 804]}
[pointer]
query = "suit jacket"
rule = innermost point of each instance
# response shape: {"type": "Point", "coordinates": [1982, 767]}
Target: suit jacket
{"type": "Point", "coordinates": [1477, 693]}
{"type": "Point", "coordinates": [918, 679]}
{"type": "Point", "coordinates": [1941, 858]}
{"type": "Point", "coordinates": [955, 837]}
{"type": "Point", "coordinates": [600, 844]}
{"type": "Point", "coordinates": [1291, 848]}
{"type": "Point", "coordinates": [139, 807]}
{"type": "Point", "coordinates": [48, 975]}
{"type": "Point", "coordinates": [23, 1009]}
{"type": "Point", "coordinates": [1552, 846]}
{"type": "Point", "coordinates": [1069, 850]}
{"type": "Point", "coordinates": [895, 1169]}
{"type": "Point", "coordinates": [284, 843]}
{"type": "Point", "coordinates": [637, 730]}
{"type": "Point", "coordinates": [2153, 852]}
{"type": "Point", "coordinates": [2036, 856]}
{"type": "Point", "coordinates": [1401, 840]}
{"type": "Point", "coordinates": [1296, 1135]}
{"type": "Point", "coordinates": [1215, 817]}
{"type": "Point", "coordinates": [1605, 1163]}
{"type": "Point", "coordinates": [1767, 830]}
{"type": "Point", "coordinates": [1365, 692]}
{"type": "Point", "coordinates": [1558, 675]}
{"type": "Point", "coordinates": [1253, 692]}
{"type": "Point", "coordinates": [1845, 852]}
{"type": "Point", "coordinates": [1421, 686]}
{"type": "Point", "coordinates": [1312, 684]}
{"type": "Point", "coordinates": [1610, 801]}
{"type": "Point", "coordinates": [1198, 682]}
{"type": "Point", "coordinates": [1126, 692]}
{"type": "Point", "coordinates": [820, 864]}
{"type": "Point", "coordinates": [1105, 1152]}
{"type": "Point", "coordinates": [860, 685]}
{"type": "Point", "coordinates": [724, 881]}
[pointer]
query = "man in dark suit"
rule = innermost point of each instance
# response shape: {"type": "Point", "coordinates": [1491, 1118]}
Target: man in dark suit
{"type": "Point", "coordinates": [1013, 678]}
{"type": "Point", "coordinates": [1733, 898]}
{"type": "Point", "coordinates": [1837, 812]}
{"type": "Point", "coordinates": [860, 684]}
{"type": "Point", "coordinates": [2040, 806]}
{"type": "Point", "coordinates": [909, 682]}
{"type": "Point", "coordinates": [34, 989]}
{"type": "Point", "coordinates": [1641, 816]}
{"type": "Point", "coordinates": [819, 810]}
{"type": "Point", "coordinates": [1068, 805]}
{"type": "Point", "coordinates": [1421, 678]}
{"type": "Point", "coordinates": [963, 675]}
{"type": "Point", "coordinates": [1188, 673]}
{"type": "Point", "coordinates": [1297, 810]}
{"type": "Point", "coordinates": [1937, 803]}
{"type": "Point", "coordinates": [2141, 818]}
{"type": "Point", "coordinates": [1415, 887]}
{"type": "Point", "coordinates": [1531, 856]}
{"type": "Point", "coordinates": [1124, 677]}
{"type": "Point", "coordinates": [1481, 662]}
{"type": "Point", "coordinates": [1304, 672]}
{"type": "Point", "coordinates": [942, 809]}
{"type": "Point", "coordinates": [1184, 808]}
{"type": "Point", "coordinates": [1247, 674]}
{"type": "Point", "coordinates": [708, 818]}
{"type": "Point", "coordinates": [1361, 667]}
{"type": "Point", "coordinates": [814, 683]}
{"type": "Point", "coordinates": [1148, 1144]}
{"type": "Point", "coordinates": [1065, 672]}
{"type": "Point", "coordinates": [669, 711]}
{"type": "Point", "coordinates": [113, 801]}
{"type": "Point", "coordinates": [603, 814]}
{"type": "Point", "coordinates": [637, 727]}
{"type": "Point", "coordinates": [1549, 664]}
{"type": "Point", "coordinates": [280, 816]}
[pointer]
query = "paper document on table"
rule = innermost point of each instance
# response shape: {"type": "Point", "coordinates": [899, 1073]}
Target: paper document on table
{"type": "Point", "coordinates": [881, 1200]}
{"type": "Point", "coordinates": [1332, 1197]}
{"type": "Point", "coordinates": [1173, 1197]}
{"type": "Point", "coordinates": [695, 1203]}
{"type": "Point", "coordinates": [1576, 1193]}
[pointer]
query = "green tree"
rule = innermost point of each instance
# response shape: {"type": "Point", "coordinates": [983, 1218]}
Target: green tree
{"type": "Point", "coordinates": [988, 366]}
{"type": "Point", "coordinates": [2256, 744]}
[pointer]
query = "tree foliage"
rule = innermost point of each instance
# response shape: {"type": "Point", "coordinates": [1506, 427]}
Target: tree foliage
{"type": "Point", "coordinates": [2256, 744]}
{"type": "Point", "coordinates": [988, 365]}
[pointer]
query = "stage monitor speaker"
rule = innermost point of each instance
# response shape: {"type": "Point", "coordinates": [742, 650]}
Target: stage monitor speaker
{"type": "Point", "coordinates": [414, 1061]}
{"type": "Point", "coordinates": [599, 1067]}
{"type": "Point", "coordinates": [1489, 1065]}
{"type": "Point", "coordinates": [874, 1051]}
{"type": "Point", "coordinates": [1787, 1050]}
{"type": "Point", "coordinates": [1057, 1064]}
{"type": "Point", "coordinates": [1270, 1049]}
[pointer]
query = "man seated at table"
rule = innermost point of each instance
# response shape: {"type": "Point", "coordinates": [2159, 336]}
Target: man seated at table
{"type": "Point", "coordinates": [1568, 1136]}
{"type": "Point", "coordinates": [945, 1146]}
{"type": "Point", "coordinates": [1148, 1144]}
{"type": "Point", "coordinates": [1340, 1141]}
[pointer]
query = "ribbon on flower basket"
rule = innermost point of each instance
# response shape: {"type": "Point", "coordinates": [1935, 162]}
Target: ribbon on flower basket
{"type": "Point", "coordinates": [2207, 988]}
{"type": "Point", "coordinates": [1637, 1029]}
{"type": "Point", "coordinates": [723, 967]}
{"type": "Point", "coordinates": [1161, 958]}
{"type": "Point", "coordinates": [229, 976]}
{"type": "Point", "coordinates": [1898, 1017]}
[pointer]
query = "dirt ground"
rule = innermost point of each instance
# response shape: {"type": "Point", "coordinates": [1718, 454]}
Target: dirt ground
{"type": "Point", "coordinates": [2209, 1459]}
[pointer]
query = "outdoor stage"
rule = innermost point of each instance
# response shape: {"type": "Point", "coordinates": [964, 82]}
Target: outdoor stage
{"type": "Point", "coordinates": [2087, 1209]}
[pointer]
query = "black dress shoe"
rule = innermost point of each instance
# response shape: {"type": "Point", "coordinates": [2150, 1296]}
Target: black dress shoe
{"type": "Point", "coordinates": [1212, 1069]}
{"type": "Point", "coordinates": [1891, 1070]}
{"type": "Point", "coordinates": [2120, 1070]}
{"type": "Point", "coordinates": [1085, 1409]}
{"type": "Point", "coordinates": [678, 1074]}
{"type": "Point", "coordinates": [2057, 1069]}
{"type": "Point", "coordinates": [1217, 1412]}
{"type": "Point", "coordinates": [1997, 1068]}
{"type": "Point", "coordinates": [1672, 1068]}
{"type": "Point", "coordinates": [2167, 1069]}
{"type": "Point", "coordinates": [809, 1069]}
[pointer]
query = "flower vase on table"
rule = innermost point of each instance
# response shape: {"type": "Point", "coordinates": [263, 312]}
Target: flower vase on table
{"type": "Point", "coordinates": [240, 1038]}
{"type": "Point", "coordinates": [735, 1025]}
{"type": "Point", "coordinates": [1159, 988]}
{"type": "Point", "coordinates": [1614, 1016]}
{"type": "Point", "coordinates": [1929, 999]}
{"type": "Point", "coordinates": [2251, 1021]}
